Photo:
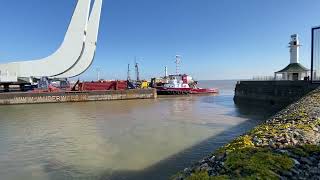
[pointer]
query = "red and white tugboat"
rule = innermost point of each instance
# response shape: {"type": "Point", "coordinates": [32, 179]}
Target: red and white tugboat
{"type": "Point", "coordinates": [179, 85]}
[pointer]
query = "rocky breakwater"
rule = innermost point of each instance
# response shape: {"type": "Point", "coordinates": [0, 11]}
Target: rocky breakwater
{"type": "Point", "coordinates": [286, 146]}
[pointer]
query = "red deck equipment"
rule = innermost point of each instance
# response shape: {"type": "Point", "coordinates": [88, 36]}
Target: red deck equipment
{"type": "Point", "coordinates": [102, 85]}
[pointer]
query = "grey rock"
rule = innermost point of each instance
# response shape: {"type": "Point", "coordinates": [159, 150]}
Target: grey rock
{"type": "Point", "coordinates": [212, 159]}
{"type": "Point", "coordinates": [315, 178]}
{"type": "Point", "coordinates": [283, 151]}
{"type": "Point", "coordinates": [315, 171]}
{"type": "Point", "coordinates": [305, 161]}
{"type": "Point", "coordinates": [257, 140]}
{"type": "Point", "coordinates": [204, 167]}
{"type": "Point", "coordinates": [295, 171]}
{"type": "Point", "coordinates": [302, 177]}
{"type": "Point", "coordinates": [296, 162]}
{"type": "Point", "coordinates": [212, 172]}
{"type": "Point", "coordinates": [305, 168]}
{"type": "Point", "coordinates": [296, 134]}
{"type": "Point", "coordinates": [313, 159]}
{"type": "Point", "coordinates": [286, 173]}
{"type": "Point", "coordinates": [271, 142]}
{"type": "Point", "coordinates": [220, 157]}
{"type": "Point", "coordinates": [187, 171]}
{"type": "Point", "coordinates": [283, 140]}
{"type": "Point", "coordinates": [294, 141]}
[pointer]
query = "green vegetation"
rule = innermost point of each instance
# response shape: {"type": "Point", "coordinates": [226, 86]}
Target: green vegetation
{"type": "Point", "coordinates": [305, 127]}
{"type": "Point", "coordinates": [257, 163]}
{"type": "Point", "coordinates": [298, 151]}
{"type": "Point", "coordinates": [304, 150]}
{"type": "Point", "coordinates": [308, 126]}
{"type": "Point", "coordinates": [261, 130]}
{"type": "Point", "coordinates": [239, 143]}
{"type": "Point", "coordinates": [311, 148]}
{"type": "Point", "coordinates": [222, 177]}
{"type": "Point", "coordinates": [203, 175]}
{"type": "Point", "coordinates": [244, 160]}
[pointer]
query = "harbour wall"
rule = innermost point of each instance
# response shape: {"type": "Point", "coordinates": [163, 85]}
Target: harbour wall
{"type": "Point", "coordinates": [61, 97]}
{"type": "Point", "coordinates": [275, 94]}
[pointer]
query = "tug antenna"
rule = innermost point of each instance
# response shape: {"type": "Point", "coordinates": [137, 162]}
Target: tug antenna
{"type": "Point", "coordinates": [178, 62]}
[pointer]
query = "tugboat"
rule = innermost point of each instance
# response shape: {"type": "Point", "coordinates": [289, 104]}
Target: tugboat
{"type": "Point", "coordinates": [179, 85]}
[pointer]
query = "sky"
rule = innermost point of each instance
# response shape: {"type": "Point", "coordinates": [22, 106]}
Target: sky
{"type": "Point", "coordinates": [217, 39]}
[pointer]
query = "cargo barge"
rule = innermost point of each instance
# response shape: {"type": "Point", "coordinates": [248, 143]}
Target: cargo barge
{"type": "Point", "coordinates": [75, 96]}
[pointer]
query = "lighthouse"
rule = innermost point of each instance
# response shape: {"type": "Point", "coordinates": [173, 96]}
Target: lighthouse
{"type": "Point", "coordinates": [294, 71]}
{"type": "Point", "coordinates": [294, 46]}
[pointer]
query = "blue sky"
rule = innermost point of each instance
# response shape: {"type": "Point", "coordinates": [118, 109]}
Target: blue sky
{"type": "Point", "coordinates": [218, 39]}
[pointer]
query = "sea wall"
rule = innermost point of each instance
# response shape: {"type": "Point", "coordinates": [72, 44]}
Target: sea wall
{"type": "Point", "coordinates": [276, 94]}
{"type": "Point", "coordinates": [286, 146]}
{"type": "Point", "coordinates": [60, 97]}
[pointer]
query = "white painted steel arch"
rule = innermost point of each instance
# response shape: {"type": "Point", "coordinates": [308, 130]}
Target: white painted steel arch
{"type": "Point", "coordinates": [88, 54]}
{"type": "Point", "coordinates": [64, 58]}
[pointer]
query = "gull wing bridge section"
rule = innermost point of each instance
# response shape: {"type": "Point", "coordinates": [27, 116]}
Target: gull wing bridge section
{"type": "Point", "coordinates": [72, 58]}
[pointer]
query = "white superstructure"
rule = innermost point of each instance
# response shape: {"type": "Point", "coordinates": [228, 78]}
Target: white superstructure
{"type": "Point", "coordinates": [73, 57]}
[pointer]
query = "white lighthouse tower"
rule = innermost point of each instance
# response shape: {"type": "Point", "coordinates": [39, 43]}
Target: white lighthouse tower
{"type": "Point", "coordinates": [294, 46]}
{"type": "Point", "coordinates": [294, 71]}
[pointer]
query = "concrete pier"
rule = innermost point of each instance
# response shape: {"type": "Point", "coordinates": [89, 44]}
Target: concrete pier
{"type": "Point", "coordinates": [277, 94]}
{"type": "Point", "coordinates": [61, 97]}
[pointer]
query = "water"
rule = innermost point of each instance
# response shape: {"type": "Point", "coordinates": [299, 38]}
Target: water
{"type": "Point", "coordinates": [138, 139]}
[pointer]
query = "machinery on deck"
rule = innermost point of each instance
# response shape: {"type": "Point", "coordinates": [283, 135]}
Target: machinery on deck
{"type": "Point", "coordinates": [137, 83]}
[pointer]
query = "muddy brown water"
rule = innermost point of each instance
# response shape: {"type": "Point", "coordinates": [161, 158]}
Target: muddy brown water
{"type": "Point", "coordinates": [135, 139]}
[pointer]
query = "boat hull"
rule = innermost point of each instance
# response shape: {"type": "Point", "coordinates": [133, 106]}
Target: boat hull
{"type": "Point", "coordinates": [184, 91]}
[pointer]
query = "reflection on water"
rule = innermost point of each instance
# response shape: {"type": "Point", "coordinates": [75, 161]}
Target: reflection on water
{"type": "Point", "coordinates": [118, 139]}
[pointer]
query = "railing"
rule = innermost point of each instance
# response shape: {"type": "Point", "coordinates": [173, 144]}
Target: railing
{"type": "Point", "coordinates": [263, 78]}
{"type": "Point", "coordinates": [271, 78]}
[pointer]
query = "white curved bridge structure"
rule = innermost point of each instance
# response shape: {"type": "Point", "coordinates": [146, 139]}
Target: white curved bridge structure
{"type": "Point", "coordinates": [73, 57]}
